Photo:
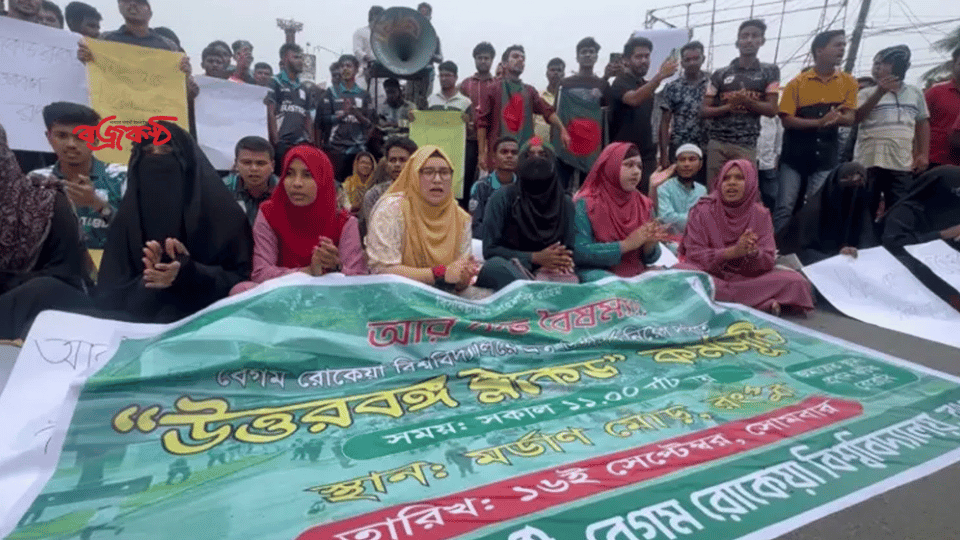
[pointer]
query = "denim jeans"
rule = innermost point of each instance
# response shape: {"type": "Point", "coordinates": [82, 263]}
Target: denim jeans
{"type": "Point", "coordinates": [769, 187]}
{"type": "Point", "coordinates": [789, 193]}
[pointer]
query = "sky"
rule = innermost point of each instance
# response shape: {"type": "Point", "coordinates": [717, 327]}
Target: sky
{"type": "Point", "coordinates": [550, 29]}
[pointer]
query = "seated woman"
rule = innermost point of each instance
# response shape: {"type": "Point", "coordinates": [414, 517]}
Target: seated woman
{"type": "Point", "coordinates": [179, 241]}
{"type": "Point", "coordinates": [835, 220]}
{"type": "Point", "coordinates": [42, 261]}
{"type": "Point", "coordinates": [931, 210]}
{"type": "Point", "coordinates": [615, 229]}
{"type": "Point", "coordinates": [418, 231]}
{"type": "Point", "coordinates": [356, 185]}
{"type": "Point", "coordinates": [730, 236]}
{"type": "Point", "coordinates": [528, 229]}
{"type": "Point", "coordinates": [299, 229]}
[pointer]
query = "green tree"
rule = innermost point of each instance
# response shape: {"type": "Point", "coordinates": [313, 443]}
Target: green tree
{"type": "Point", "coordinates": [945, 45]}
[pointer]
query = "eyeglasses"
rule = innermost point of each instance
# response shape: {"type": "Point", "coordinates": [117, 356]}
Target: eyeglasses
{"type": "Point", "coordinates": [432, 173]}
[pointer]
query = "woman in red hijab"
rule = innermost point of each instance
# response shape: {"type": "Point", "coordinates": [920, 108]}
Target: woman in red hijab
{"type": "Point", "coordinates": [300, 229]}
{"type": "Point", "coordinates": [616, 231]}
{"type": "Point", "coordinates": [729, 235]}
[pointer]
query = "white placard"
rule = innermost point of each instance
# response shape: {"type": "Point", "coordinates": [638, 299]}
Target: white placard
{"type": "Point", "coordinates": [38, 65]}
{"type": "Point", "coordinates": [940, 258]}
{"type": "Point", "coordinates": [877, 289]}
{"type": "Point", "coordinates": [664, 41]}
{"type": "Point", "coordinates": [227, 112]}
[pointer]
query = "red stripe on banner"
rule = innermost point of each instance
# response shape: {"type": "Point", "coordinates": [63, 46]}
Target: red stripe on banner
{"type": "Point", "coordinates": [516, 497]}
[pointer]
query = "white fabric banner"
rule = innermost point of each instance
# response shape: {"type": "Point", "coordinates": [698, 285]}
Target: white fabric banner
{"type": "Point", "coordinates": [38, 65]}
{"type": "Point", "coordinates": [876, 288]}
{"type": "Point", "coordinates": [942, 259]}
{"type": "Point", "coordinates": [227, 112]}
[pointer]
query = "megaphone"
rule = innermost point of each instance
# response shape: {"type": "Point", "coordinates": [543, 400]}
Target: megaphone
{"type": "Point", "coordinates": [403, 41]}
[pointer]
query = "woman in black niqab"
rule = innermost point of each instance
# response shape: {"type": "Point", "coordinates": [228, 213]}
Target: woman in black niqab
{"type": "Point", "coordinates": [179, 241]}
{"type": "Point", "coordinates": [930, 210]}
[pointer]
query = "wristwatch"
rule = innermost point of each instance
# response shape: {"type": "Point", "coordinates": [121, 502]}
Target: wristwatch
{"type": "Point", "coordinates": [106, 213]}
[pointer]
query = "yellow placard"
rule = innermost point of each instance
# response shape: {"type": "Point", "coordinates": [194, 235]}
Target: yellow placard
{"type": "Point", "coordinates": [446, 130]}
{"type": "Point", "coordinates": [134, 84]}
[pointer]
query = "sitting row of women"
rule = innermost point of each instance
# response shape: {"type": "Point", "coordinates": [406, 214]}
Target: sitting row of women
{"type": "Point", "coordinates": [180, 242]}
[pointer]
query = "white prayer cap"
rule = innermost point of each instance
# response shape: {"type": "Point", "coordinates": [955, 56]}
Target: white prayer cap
{"type": "Point", "coordinates": [690, 148]}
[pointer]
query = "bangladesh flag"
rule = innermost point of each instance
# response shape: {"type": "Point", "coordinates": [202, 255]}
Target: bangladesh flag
{"type": "Point", "coordinates": [516, 111]}
{"type": "Point", "coordinates": [580, 112]}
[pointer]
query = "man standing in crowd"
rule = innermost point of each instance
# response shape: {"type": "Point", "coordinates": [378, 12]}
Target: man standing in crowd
{"type": "Point", "coordinates": [396, 153]}
{"type": "Point", "coordinates": [346, 113]}
{"type": "Point", "coordinates": [243, 56]}
{"type": "Point", "coordinates": [588, 90]}
{"type": "Point", "coordinates": [83, 19]}
{"type": "Point", "coordinates": [94, 188]}
{"type": "Point", "coordinates": [212, 63]}
{"type": "Point", "coordinates": [363, 51]}
{"type": "Point", "coordinates": [393, 116]}
{"type": "Point", "coordinates": [556, 69]}
{"type": "Point", "coordinates": [631, 98]}
{"type": "Point", "coordinates": [737, 96]}
{"type": "Point", "coordinates": [893, 137]}
{"type": "Point", "coordinates": [262, 73]}
{"type": "Point", "coordinates": [813, 105]}
{"type": "Point", "coordinates": [25, 10]}
{"type": "Point", "coordinates": [474, 87]}
{"type": "Point", "coordinates": [449, 98]}
{"type": "Point", "coordinates": [682, 101]}
{"type": "Point", "coordinates": [943, 102]}
{"type": "Point", "coordinates": [288, 117]}
{"type": "Point", "coordinates": [50, 15]}
{"type": "Point", "coordinates": [507, 108]}
{"type": "Point", "coordinates": [769, 145]}
{"type": "Point", "coordinates": [505, 151]}
{"type": "Point", "coordinates": [253, 181]}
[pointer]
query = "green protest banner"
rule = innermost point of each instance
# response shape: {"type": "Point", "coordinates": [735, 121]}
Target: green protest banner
{"type": "Point", "coordinates": [446, 130]}
{"type": "Point", "coordinates": [375, 409]}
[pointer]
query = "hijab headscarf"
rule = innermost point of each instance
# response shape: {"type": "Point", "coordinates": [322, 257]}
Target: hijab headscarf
{"type": "Point", "coordinates": [538, 211]}
{"type": "Point", "coordinates": [26, 211]}
{"type": "Point", "coordinates": [835, 217]}
{"type": "Point", "coordinates": [355, 186]}
{"type": "Point", "coordinates": [299, 228]}
{"type": "Point", "coordinates": [432, 234]}
{"type": "Point", "coordinates": [614, 213]}
{"type": "Point", "coordinates": [176, 195]}
{"type": "Point", "coordinates": [732, 219]}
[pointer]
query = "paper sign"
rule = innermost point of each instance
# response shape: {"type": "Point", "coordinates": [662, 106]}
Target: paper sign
{"type": "Point", "coordinates": [38, 66]}
{"type": "Point", "coordinates": [446, 130]}
{"type": "Point", "coordinates": [226, 112]}
{"type": "Point", "coordinates": [940, 258]}
{"type": "Point", "coordinates": [877, 289]}
{"type": "Point", "coordinates": [664, 41]}
{"type": "Point", "coordinates": [134, 84]}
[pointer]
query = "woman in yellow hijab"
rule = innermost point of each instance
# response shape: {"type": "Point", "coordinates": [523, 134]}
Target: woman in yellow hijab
{"type": "Point", "coordinates": [418, 231]}
{"type": "Point", "coordinates": [355, 186]}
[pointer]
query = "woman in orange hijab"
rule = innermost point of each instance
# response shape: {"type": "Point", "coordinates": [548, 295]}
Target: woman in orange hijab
{"type": "Point", "coordinates": [418, 231]}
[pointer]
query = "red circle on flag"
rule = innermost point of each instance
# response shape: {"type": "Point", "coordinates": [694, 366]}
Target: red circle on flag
{"type": "Point", "coordinates": [585, 136]}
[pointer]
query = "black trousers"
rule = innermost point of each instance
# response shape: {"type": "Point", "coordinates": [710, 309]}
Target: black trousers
{"type": "Point", "coordinates": [892, 185]}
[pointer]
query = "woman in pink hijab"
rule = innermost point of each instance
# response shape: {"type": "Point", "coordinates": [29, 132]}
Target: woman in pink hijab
{"type": "Point", "coordinates": [616, 232]}
{"type": "Point", "coordinates": [730, 236]}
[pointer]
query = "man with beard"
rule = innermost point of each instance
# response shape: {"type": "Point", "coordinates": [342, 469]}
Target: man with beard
{"type": "Point", "coordinates": [288, 119]}
{"type": "Point", "coordinates": [346, 113]}
{"type": "Point", "coordinates": [507, 108]}
{"type": "Point", "coordinates": [631, 98]}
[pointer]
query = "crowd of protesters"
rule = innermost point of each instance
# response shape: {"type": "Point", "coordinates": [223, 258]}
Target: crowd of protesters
{"type": "Point", "coordinates": [739, 169]}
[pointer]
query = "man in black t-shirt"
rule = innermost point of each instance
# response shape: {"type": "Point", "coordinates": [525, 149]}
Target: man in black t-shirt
{"type": "Point", "coordinates": [288, 119]}
{"type": "Point", "coordinates": [631, 102]}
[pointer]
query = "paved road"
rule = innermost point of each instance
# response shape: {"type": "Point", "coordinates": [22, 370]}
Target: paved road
{"type": "Point", "coordinates": [923, 510]}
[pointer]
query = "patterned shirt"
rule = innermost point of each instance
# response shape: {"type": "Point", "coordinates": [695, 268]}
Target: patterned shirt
{"type": "Point", "coordinates": [290, 102]}
{"type": "Point", "coordinates": [247, 202]}
{"type": "Point", "coordinates": [110, 182]}
{"type": "Point", "coordinates": [885, 136]}
{"type": "Point", "coordinates": [440, 102]}
{"type": "Point", "coordinates": [740, 127]}
{"type": "Point", "coordinates": [684, 99]}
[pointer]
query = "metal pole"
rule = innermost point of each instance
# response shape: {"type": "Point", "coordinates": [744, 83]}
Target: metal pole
{"type": "Point", "coordinates": [783, 15]}
{"type": "Point", "coordinates": [857, 37]}
{"type": "Point", "coordinates": [713, 19]}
